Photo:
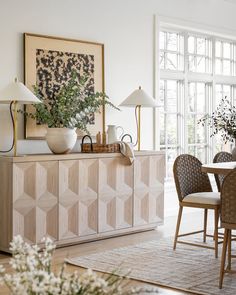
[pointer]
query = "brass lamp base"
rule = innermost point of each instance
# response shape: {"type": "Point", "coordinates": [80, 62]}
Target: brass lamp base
{"type": "Point", "coordinates": [139, 127]}
{"type": "Point", "coordinates": [15, 130]}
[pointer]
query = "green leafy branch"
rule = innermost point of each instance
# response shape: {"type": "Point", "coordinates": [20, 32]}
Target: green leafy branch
{"type": "Point", "coordinates": [71, 107]}
{"type": "Point", "coordinates": [222, 121]}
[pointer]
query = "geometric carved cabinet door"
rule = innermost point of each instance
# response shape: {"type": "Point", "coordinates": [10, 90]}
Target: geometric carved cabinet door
{"type": "Point", "coordinates": [35, 199]}
{"type": "Point", "coordinates": [115, 194]}
{"type": "Point", "coordinates": [148, 189]}
{"type": "Point", "coordinates": [78, 193]}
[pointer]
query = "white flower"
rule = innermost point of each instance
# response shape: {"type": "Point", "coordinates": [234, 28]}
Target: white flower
{"type": "Point", "coordinates": [16, 244]}
{"type": "Point", "coordinates": [73, 122]}
{"type": "Point", "coordinates": [2, 269]}
{"type": "Point", "coordinates": [78, 116]}
{"type": "Point", "coordinates": [33, 274]}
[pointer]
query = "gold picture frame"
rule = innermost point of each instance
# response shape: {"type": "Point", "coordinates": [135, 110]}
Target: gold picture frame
{"type": "Point", "coordinates": [54, 56]}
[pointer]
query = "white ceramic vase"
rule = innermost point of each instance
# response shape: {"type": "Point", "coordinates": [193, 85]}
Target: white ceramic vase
{"type": "Point", "coordinates": [112, 133]}
{"type": "Point", "coordinates": [61, 140]}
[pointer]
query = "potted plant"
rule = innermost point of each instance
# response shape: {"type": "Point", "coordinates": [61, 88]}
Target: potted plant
{"type": "Point", "coordinates": [69, 110]}
{"type": "Point", "coordinates": [222, 121]}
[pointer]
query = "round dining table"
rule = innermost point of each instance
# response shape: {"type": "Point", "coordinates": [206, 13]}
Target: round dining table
{"type": "Point", "coordinates": [219, 168]}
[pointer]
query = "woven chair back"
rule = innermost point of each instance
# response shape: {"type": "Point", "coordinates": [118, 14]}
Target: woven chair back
{"type": "Point", "coordinates": [228, 198]}
{"type": "Point", "coordinates": [188, 176]}
{"type": "Point", "coordinates": [219, 158]}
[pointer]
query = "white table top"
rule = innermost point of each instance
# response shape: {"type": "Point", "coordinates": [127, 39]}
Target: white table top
{"type": "Point", "coordinates": [219, 168]}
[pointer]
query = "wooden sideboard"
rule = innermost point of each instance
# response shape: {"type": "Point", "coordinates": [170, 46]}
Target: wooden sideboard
{"type": "Point", "coordinates": [79, 197]}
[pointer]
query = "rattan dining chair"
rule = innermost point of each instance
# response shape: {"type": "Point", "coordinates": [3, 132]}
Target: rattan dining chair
{"type": "Point", "coordinates": [219, 158]}
{"type": "Point", "coordinates": [194, 190]}
{"type": "Point", "coordinates": [228, 220]}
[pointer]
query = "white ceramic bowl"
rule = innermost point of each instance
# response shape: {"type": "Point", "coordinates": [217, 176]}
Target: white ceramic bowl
{"type": "Point", "coordinates": [61, 140]}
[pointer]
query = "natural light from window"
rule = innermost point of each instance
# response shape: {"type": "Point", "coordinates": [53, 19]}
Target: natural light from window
{"type": "Point", "coordinates": [196, 72]}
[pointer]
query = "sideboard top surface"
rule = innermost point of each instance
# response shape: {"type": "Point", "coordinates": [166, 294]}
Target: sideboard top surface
{"type": "Point", "coordinates": [71, 156]}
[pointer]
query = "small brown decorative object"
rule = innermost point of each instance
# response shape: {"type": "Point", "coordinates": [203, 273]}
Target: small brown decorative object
{"type": "Point", "coordinates": [98, 148]}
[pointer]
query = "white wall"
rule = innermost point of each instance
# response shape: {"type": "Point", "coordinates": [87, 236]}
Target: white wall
{"type": "Point", "coordinates": [126, 29]}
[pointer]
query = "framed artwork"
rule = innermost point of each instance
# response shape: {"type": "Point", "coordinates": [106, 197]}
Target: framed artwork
{"type": "Point", "coordinates": [48, 64]}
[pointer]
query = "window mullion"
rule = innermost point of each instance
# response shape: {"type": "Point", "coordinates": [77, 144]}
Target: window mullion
{"type": "Point", "coordinates": [222, 68]}
{"type": "Point", "coordinates": [165, 124]}
{"type": "Point", "coordinates": [186, 69]}
{"type": "Point", "coordinates": [195, 115]}
{"type": "Point", "coordinates": [212, 100]}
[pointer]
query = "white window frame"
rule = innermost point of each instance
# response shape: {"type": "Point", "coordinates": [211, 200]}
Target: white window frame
{"type": "Point", "coordinates": [179, 118]}
{"type": "Point", "coordinates": [186, 76]}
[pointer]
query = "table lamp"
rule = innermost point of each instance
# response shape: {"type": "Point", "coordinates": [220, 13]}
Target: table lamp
{"type": "Point", "coordinates": [17, 93]}
{"type": "Point", "coordinates": [139, 98]}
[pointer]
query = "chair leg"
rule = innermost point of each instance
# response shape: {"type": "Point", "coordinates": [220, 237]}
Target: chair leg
{"type": "Point", "coordinates": [216, 231]}
{"type": "Point", "coordinates": [229, 251]}
{"type": "Point", "coordinates": [178, 225]}
{"type": "Point", "coordinates": [205, 225]}
{"type": "Point", "coordinates": [223, 256]}
{"type": "Point", "coordinates": [218, 227]}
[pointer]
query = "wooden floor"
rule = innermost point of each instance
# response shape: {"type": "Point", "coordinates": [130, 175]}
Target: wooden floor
{"type": "Point", "coordinates": [191, 221]}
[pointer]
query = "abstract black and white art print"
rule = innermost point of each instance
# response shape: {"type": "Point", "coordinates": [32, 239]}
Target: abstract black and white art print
{"type": "Point", "coordinates": [49, 62]}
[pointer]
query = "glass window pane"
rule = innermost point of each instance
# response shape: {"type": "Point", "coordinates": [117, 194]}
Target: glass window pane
{"type": "Point", "coordinates": [201, 46]}
{"type": "Point", "coordinates": [171, 129]}
{"type": "Point", "coordinates": [233, 69]}
{"type": "Point", "coordinates": [162, 92]}
{"type": "Point", "coordinates": [172, 41]}
{"type": "Point", "coordinates": [200, 54]}
{"type": "Point", "coordinates": [181, 44]}
{"type": "Point", "coordinates": [218, 48]}
{"type": "Point", "coordinates": [171, 88]}
{"type": "Point", "coordinates": [226, 91]}
{"type": "Point", "coordinates": [218, 66]}
{"type": "Point", "coordinates": [171, 104]}
{"type": "Point", "coordinates": [191, 97]}
{"type": "Point", "coordinates": [200, 132]}
{"type": "Point", "coordinates": [162, 128]}
{"type": "Point", "coordinates": [171, 156]}
{"type": "Point", "coordinates": [219, 94]}
{"type": "Point", "coordinates": [171, 61]}
{"type": "Point", "coordinates": [162, 40]}
{"type": "Point", "coordinates": [201, 154]}
{"type": "Point", "coordinates": [162, 60]}
{"type": "Point", "coordinates": [218, 143]}
{"type": "Point", "coordinates": [201, 64]}
{"type": "Point", "coordinates": [181, 62]}
{"type": "Point", "coordinates": [191, 150]}
{"type": "Point", "coordinates": [222, 91]}
{"type": "Point", "coordinates": [191, 63]}
{"type": "Point", "coordinates": [226, 50]}
{"type": "Point", "coordinates": [191, 44]}
{"type": "Point", "coordinates": [191, 129]}
{"type": "Point", "coordinates": [226, 67]}
{"type": "Point", "coordinates": [199, 60]}
{"type": "Point", "coordinates": [201, 100]}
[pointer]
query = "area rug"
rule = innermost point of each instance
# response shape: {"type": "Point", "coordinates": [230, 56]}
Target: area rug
{"type": "Point", "coordinates": [188, 268]}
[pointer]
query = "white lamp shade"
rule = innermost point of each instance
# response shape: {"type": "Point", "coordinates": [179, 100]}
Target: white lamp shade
{"type": "Point", "coordinates": [139, 97]}
{"type": "Point", "coordinates": [17, 91]}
